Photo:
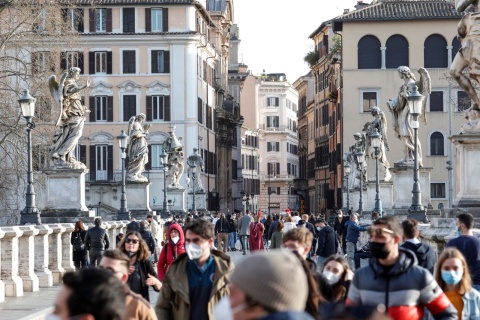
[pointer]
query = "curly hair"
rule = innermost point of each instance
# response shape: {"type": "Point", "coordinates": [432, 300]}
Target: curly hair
{"type": "Point", "coordinates": [143, 251]}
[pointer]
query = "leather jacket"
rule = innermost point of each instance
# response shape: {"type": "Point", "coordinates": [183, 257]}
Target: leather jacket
{"type": "Point", "coordinates": [97, 239]}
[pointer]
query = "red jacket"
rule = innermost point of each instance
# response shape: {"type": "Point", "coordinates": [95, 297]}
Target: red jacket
{"type": "Point", "coordinates": [173, 251]}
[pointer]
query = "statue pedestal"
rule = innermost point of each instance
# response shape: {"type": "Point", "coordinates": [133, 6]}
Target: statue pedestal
{"type": "Point", "coordinates": [385, 189]}
{"type": "Point", "coordinates": [200, 201]}
{"type": "Point", "coordinates": [467, 175]}
{"type": "Point", "coordinates": [402, 177]}
{"type": "Point", "coordinates": [175, 201]}
{"type": "Point", "coordinates": [138, 199]}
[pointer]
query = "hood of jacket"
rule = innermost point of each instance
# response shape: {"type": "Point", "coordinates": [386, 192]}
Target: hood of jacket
{"type": "Point", "coordinates": [176, 226]}
{"type": "Point", "coordinates": [406, 261]}
{"type": "Point", "coordinates": [420, 249]}
{"type": "Point", "coordinates": [327, 229]}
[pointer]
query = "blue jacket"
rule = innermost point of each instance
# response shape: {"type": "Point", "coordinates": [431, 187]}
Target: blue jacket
{"type": "Point", "coordinates": [471, 305]}
{"type": "Point", "coordinates": [288, 315]}
{"type": "Point", "coordinates": [353, 230]}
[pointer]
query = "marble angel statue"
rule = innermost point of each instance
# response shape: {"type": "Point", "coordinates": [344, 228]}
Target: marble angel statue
{"type": "Point", "coordinates": [137, 149]}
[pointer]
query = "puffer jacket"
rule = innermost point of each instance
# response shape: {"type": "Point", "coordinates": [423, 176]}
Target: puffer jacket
{"type": "Point", "coordinates": [327, 242]}
{"type": "Point", "coordinates": [97, 239]}
{"type": "Point", "coordinates": [405, 290]}
{"type": "Point", "coordinates": [170, 251]}
{"type": "Point", "coordinates": [174, 298]}
{"type": "Point", "coordinates": [425, 254]}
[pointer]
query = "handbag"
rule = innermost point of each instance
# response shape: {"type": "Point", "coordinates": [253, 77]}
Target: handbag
{"type": "Point", "coordinates": [238, 245]}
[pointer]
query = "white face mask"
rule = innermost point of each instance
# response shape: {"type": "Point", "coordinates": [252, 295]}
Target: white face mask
{"type": "Point", "coordinates": [175, 239]}
{"type": "Point", "coordinates": [331, 277]}
{"type": "Point", "coordinates": [224, 311]}
{"type": "Point", "coordinates": [194, 251]}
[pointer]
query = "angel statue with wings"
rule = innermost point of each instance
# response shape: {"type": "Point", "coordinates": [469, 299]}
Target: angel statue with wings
{"type": "Point", "coordinates": [70, 121]}
{"type": "Point", "coordinates": [401, 113]}
{"type": "Point", "coordinates": [137, 149]}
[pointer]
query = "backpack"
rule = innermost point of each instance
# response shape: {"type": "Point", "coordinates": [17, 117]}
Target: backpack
{"type": "Point", "coordinates": [78, 243]}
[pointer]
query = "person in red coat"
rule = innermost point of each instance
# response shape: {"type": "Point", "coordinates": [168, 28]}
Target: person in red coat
{"type": "Point", "coordinates": [256, 235]}
{"type": "Point", "coordinates": [171, 250]}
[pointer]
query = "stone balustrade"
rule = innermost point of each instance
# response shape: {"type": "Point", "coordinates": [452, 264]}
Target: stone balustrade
{"type": "Point", "coordinates": [35, 257]}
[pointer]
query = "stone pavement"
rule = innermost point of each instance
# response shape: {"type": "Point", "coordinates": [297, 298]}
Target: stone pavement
{"type": "Point", "coordinates": [35, 305]}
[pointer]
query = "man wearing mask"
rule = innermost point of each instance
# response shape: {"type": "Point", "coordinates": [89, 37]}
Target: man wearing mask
{"type": "Point", "coordinates": [197, 280]}
{"type": "Point", "coordinates": [326, 243]}
{"type": "Point", "coordinates": [394, 279]}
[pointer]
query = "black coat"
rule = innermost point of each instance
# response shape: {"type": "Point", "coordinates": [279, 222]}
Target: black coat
{"type": "Point", "coordinates": [82, 254]}
{"type": "Point", "coordinates": [327, 243]}
{"type": "Point", "coordinates": [425, 254]}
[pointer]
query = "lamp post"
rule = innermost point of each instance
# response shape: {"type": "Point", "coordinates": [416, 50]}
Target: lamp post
{"type": "Point", "coordinates": [246, 197]}
{"type": "Point", "coordinates": [30, 214]}
{"type": "Point", "coordinates": [360, 159]}
{"type": "Point", "coordinates": [164, 162]}
{"type": "Point", "coordinates": [376, 142]}
{"type": "Point", "coordinates": [123, 213]}
{"type": "Point", "coordinates": [193, 168]}
{"type": "Point", "coordinates": [347, 169]}
{"type": "Point", "coordinates": [415, 104]}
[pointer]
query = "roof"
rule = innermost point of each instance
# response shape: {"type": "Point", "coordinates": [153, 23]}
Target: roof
{"type": "Point", "coordinates": [131, 2]}
{"type": "Point", "coordinates": [389, 10]}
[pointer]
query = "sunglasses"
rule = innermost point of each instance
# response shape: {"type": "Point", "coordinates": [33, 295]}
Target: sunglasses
{"type": "Point", "coordinates": [134, 241]}
{"type": "Point", "coordinates": [379, 231]}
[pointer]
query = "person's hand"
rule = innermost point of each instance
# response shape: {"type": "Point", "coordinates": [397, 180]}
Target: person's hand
{"type": "Point", "coordinates": [348, 275]}
{"type": "Point", "coordinates": [131, 270]}
{"type": "Point", "coordinates": [153, 282]}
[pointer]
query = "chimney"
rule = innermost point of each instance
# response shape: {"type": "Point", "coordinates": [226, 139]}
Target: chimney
{"type": "Point", "coordinates": [345, 11]}
{"type": "Point", "coordinates": [360, 5]}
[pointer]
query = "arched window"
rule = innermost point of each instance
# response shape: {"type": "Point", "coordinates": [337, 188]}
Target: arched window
{"type": "Point", "coordinates": [397, 52]}
{"type": "Point", "coordinates": [456, 46]}
{"type": "Point", "coordinates": [437, 144]}
{"type": "Point", "coordinates": [369, 55]}
{"type": "Point", "coordinates": [435, 52]}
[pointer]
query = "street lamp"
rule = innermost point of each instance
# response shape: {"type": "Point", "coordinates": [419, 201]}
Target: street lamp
{"type": "Point", "coordinates": [30, 214]}
{"type": "Point", "coordinates": [193, 168]}
{"type": "Point", "coordinates": [360, 159]}
{"type": "Point", "coordinates": [164, 162]}
{"type": "Point", "coordinates": [123, 213]}
{"type": "Point", "coordinates": [376, 142]}
{"type": "Point", "coordinates": [415, 104]}
{"type": "Point", "coordinates": [347, 169]}
{"type": "Point", "coordinates": [246, 198]}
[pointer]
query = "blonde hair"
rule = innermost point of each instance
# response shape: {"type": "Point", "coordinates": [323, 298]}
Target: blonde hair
{"type": "Point", "coordinates": [465, 285]}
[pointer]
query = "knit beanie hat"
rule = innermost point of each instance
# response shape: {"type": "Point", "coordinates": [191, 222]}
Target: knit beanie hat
{"type": "Point", "coordinates": [275, 279]}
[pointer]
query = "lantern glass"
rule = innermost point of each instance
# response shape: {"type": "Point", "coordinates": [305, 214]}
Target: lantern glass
{"type": "Point", "coordinates": [163, 158]}
{"type": "Point", "coordinates": [27, 104]}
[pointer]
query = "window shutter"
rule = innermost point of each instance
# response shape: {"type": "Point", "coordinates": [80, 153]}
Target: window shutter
{"type": "Point", "coordinates": [269, 146]}
{"type": "Point", "coordinates": [93, 110]}
{"type": "Point", "coordinates": [149, 108]}
{"type": "Point", "coordinates": [148, 20]}
{"type": "Point", "coordinates": [109, 20]}
{"type": "Point", "coordinates": [79, 13]}
{"type": "Point", "coordinates": [164, 19]}
{"type": "Point", "coordinates": [93, 163]}
{"type": "Point", "coordinates": [166, 61]}
{"type": "Point", "coordinates": [91, 13]}
{"type": "Point", "coordinates": [91, 62]}
{"type": "Point", "coordinates": [148, 165]}
{"type": "Point", "coordinates": [128, 19]}
{"type": "Point", "coordinates": [80, 63]}
{"type": "Point", "coordinates": [63, 60]}
{"type": "Point", "coordinates": [277, 102]}
{"type": "Point", "coordinates": [166, 107]}
{"type": "Point", "coordinates": [109, 163]}
{"type": "Point", "coordinates": [82, 153]}
{"type": "Point", "coordinates": [278, 168]}
{"type": "Point", "coordinates": [109, 62]}
{"type": "Point", "coordinates": [200, 111]}
{"type": "Point", "coordinates": [110, 109]}
{"type": "Point", "coordinates": [34, 57]}
{"type": "Point", "coordinates": [154, 61]}
{"type": "Point", "coordinates": [64, 14]}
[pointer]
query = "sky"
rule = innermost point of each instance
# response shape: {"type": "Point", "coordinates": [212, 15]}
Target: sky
{"type": "Point", "coordinates": [274, 33]}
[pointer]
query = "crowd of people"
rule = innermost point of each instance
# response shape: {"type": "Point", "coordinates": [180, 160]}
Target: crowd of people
{"type": "Point", "coordinates": [300, 267]}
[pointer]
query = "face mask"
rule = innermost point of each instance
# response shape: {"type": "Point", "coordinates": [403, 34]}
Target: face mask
{"type": "Point", "coordinates": [194, 251]}
{"type": "Point", "coordinates": [52, 316]}
{"type": "Point", "coordinates": [175, 240]}
{"type": "Point", "coordinates": [319, 228]}
{"type": "Point", "coordinates": [224, 311]}
{"type": "Point", "coordinates": [331, 277]}
{"type": "Point", "coordinates": [452, 277]}
{"type": "Point", "coordinates": [378, 250]}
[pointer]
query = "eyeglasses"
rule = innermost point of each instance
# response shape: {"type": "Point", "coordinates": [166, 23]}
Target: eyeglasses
{"type": "Point", "coordinates": [134, 241]}
{"type": "Point", "coordinates": [379, 231]}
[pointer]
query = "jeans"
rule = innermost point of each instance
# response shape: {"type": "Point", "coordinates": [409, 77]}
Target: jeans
{"type": "Point", "coordinates": [95, 257]}
{"type": "Point", "coordinates": [232, 239]}
{"type": "Point", "coordinates": [245, 245]}
{"type": "Point", "coordinates": [351, 249]}
{"type": "Point", "coordinates": [320, 263]}
{"type": "Point", "coordinates": [361, 255]}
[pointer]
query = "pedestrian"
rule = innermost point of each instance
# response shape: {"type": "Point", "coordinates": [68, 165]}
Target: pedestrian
{"type": "Point", "coordinates": [221, 230]}
{"type": "Point", "coordinates": [196, 281]}
{"type": "Point", "coordinates": [343, 233]}
{"type": "Point", "coordinates": [289, 224]}
{"type": "Point", "coordinates": [267, 224]}
{"type": "Point", "coordinates": [153, 227]}
{"type": "Point", "coordinates": [353, 234]}
{"type": "Point", "coordinates": [391, 273]}
{"type": "Point", "coordinates": [277, 237]}
{"type": "Point", "coordinates": [363, 253]}
{"type": "Point", "coordinates": [171, 250]}
{"type": "Point", "coordinates": [337, 226]}
{"type": "Point", "coordinates": [142, 273]}
{"type": "Point", "coordinates": [136, 307]}
{"type": "Point", "coordinates": [339, 275]}
{"type": "Point", "coordinates": [426, 255]}
{"type": "Point", "coordinates": [77, 241]}
{"type": "Point", "coordinates": [260, 289]}
{"type": "Point", "coordinates": [119, 238]}
{"type": "Point", "coordinates": [454, 278]}
{"type": "Point", "coordinates": [133, 225]}
{"type": "Point", "coordinates": [327, 243]}
{"type": "Point", "coordinates": [244, 230]}
{"type": "Point", "coordinates": [273, 226]}
{"type": "Point", "coordinates": [96, 241]}
{"type": "Point", "coordinates": [308, 225]}
{"type": "Point", "coordinates": [149, 240]}
{"type": "Point", "coordinates": [468, 245]}
{"type": "Point", "coordinates": [256, 235]}
{"type": "Point", "coordinates": [232, 233]}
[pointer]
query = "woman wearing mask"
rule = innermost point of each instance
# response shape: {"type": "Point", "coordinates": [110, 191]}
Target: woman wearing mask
{"type": "Point", "coordinates": [454, 278]}
{"type": "Point", "coordinates": [339, 276]}
{"type": "Point", "coordinates": [142, 272]}
{"type": "Point", "coordinates": [172, 249]}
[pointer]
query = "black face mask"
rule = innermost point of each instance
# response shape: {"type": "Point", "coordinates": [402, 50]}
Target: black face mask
{"type": "Point", "coordinates": [379, 250]}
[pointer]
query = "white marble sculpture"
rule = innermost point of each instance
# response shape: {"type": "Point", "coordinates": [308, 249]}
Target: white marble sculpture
{"type": "Point", "coordinates": [176, 159]}
{"type": "Point", "coordinates": [137, 149]}
{"type": "Point", "coordinates": [196, 159]}
{"type": "Point", "coordinates": [357, 172]}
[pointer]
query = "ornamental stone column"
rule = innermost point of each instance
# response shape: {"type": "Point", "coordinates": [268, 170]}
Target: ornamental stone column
{"type": "Point", "coordinates": [2, 284]}
{"type": "Point", "coordinates": [55, 252]}
{"type": "Point", "coordinates": [27, 258]}
{"type": "Point", "coordinates": [9, 267]}
{"type": "Point", "coordinates": [42, 248]}
{"type": "Point", "coordinates": [67, 249]}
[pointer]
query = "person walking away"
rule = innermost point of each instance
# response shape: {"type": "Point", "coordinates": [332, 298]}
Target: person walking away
{"type": "Point", "coordinates": [468, 245]}
{"type": "Point", "coordinates": [308, 225]}
{"type": "Point", "coordinates": [77, 241]}
{"type": "Point", "coordinates": [256, 235]}
{"type": "Point", "coordinates": [425, 254]}
{"type": "Point", "coordinates": [327, 243]}
{"type": "Point", "coordinates": [171, 250]}
{"type": "Point", "coordinates": [393, 271]}
{"type": "Point", "coordinates": [197, 280]}
{"type": "Point", "coordinates": [232, 233]}
{"type": "Point", "coordinates": [339, 275]}
{"type": "Point", "coordinates": [273, 226]}
{"type": "Point", "coordinates": [244, 229]}
{"type": "Point", "coordinates": [221, 230]}
{"type": "Point", "coordinates": [337, 225]}
{"type": "Point", "coordinates": [96, 241]}
{"type": "Point", "coordinates": [343, 233]}
{"type": "Point", "coordinates": [454, 278]}
{"type": "Point", "coordinates": [149, 240]}
{"type": "Point", "coordinates": [353, 234]}
{"type": "Point", "coordinates": [277, 237]}
{"type": "Point", "coordinates": [153, 228]}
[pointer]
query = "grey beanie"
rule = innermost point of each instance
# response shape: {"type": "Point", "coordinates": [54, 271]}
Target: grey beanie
{"type": "Point", "coordinates": [275, 279]}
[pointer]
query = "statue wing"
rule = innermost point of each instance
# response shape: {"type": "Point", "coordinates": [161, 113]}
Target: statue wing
{"type": "Point", "coordinates": [130, 125]}
{"type": "Point", "coordinates": [56, 90]}
{"type": "Point", "coordinates": [425, 88]}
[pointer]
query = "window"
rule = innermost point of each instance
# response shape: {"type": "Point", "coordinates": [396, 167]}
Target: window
{"type": "Point", "coordinates": [456, 46]}
{"type": "Point", "coordinates": [160, 61]}
{"type": "Point", "coordinates": [273, 168]}
{"type": "Point", "coordinates": [436, 101]}
{"type": "Point", "coordinates": [437, 144]}
{"type": "Point", "coordinates": [273, 102]}
{"type": "Point", "coordinates": [41, 62]}
{"type": "Point", "coordinates": [369, 54]}
{"type": "Point", "coordinates": [100, 20]}
{"type": "Point", "coordinates": [156, 19]}
{"type": "Point", "coordinates": [274, 190]}
{"type": "Point", "coordinates": [101, 164]}
{"type": "Point", "coordinates": [158, 108]}
{"type": "Point", "coordinates": [397, 52]}
{"type": "Point", "coordinates": [100, 62]}
{"type": "Point", "coordinates": [129, 61]}
{"type": "Point", "coordinates": [74, 18]}
{"type": "Point", "coordinates": [369, 100]}
{"type": "Point", "coordinates": [437, 190]}
{"type": "Point", "coordinates": [272, 121]}
{"type": "Point", "coordinates": [273, 146]}
{"type": "Point", "coordinates": [101, 108]}
{"type": "Point", "coordinates": [155, 152]}
{"type": "Point", "coordinates": [200, 110]}
{"type": "Point", "coordinates": [40, 24]}
{"type": "Point", "coordinates": [463, 101]}
{"type": "Point", "coordinates": [128, 19]}
{"type": "Point", "coordinates": [129, 106]}
{"type": "Point", "coordinates": [435, 52]}
{"type": "Point", "coordinates": [71, 59]}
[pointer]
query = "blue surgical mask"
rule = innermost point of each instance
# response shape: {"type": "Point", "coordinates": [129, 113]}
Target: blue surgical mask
{"type": "Point", "coordinates": [452, 277]}
{"type": "Point", "coordinates": [319, 228]}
